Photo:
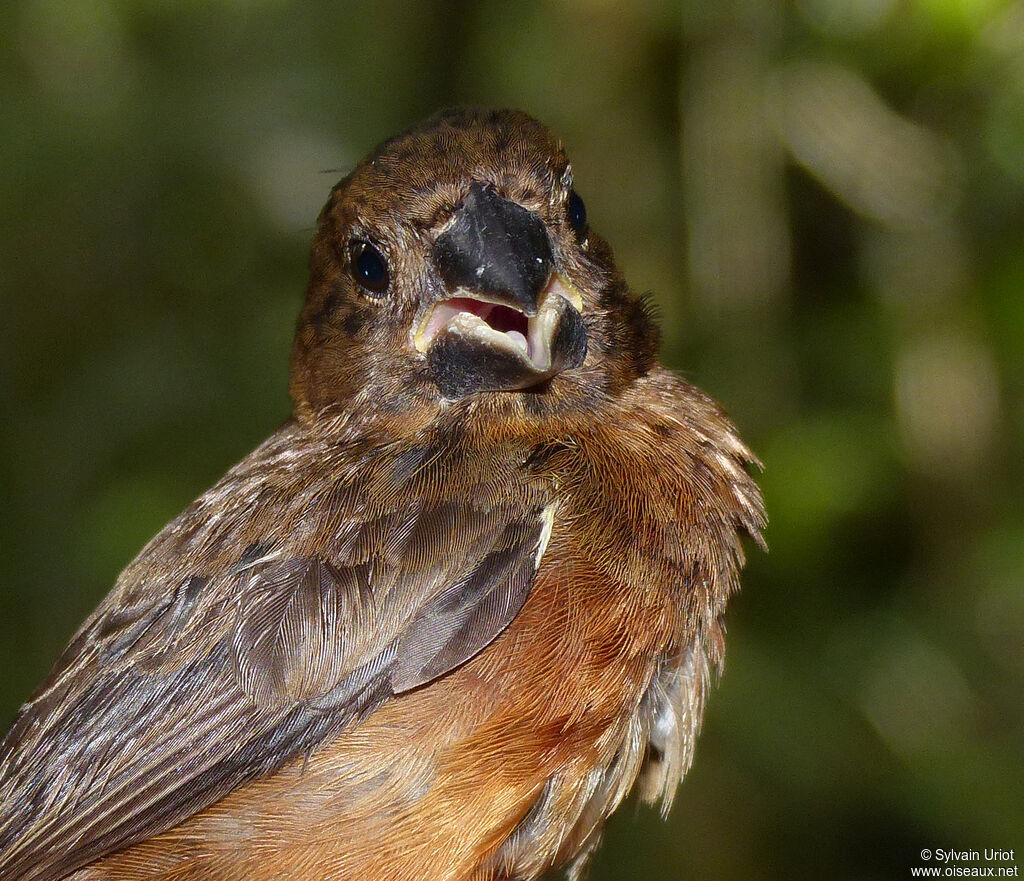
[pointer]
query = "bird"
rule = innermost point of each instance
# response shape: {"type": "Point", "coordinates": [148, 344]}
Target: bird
{"type": "Point", "coordinates": [445, 619]}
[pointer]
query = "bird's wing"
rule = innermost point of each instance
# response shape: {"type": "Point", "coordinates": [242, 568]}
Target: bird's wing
{"type": "Point", "coordinates": [166, 702]}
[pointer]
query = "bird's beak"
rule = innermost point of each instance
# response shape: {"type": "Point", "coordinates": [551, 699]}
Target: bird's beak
{"type": "Point", "coordinates": [506, 320]}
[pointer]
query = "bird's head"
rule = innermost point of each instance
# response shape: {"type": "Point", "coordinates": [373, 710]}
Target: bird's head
{"type": "Point", "coordinates": [455, 268]}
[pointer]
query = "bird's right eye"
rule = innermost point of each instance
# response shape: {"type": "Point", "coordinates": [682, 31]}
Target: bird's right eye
{"type": "Point", "coordinates": [577, 212]}
{"type": "Point", "coordinates": [369, 267]}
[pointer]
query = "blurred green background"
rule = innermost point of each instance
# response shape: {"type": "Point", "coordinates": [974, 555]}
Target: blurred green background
{"type": "Point", "coordinates": [826, 200]}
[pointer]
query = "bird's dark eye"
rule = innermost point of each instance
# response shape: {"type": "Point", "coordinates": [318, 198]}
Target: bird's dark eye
{"type": "Point", "coordinates": [576, 211]}
{"type": "Point", "coordinates": [369, 267]}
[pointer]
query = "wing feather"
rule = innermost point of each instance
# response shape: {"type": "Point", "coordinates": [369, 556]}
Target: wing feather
{"type": "Point", "coordinates": [187, 685]}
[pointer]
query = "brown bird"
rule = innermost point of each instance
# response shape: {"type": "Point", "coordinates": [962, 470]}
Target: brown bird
{"type": "Point", "coordinates": [441, 622]}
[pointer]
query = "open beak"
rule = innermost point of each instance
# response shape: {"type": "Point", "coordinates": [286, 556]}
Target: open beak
{"type": "Point", "coordinates": [509, 320]}
{"type": "Point", "coordinates": [501, 326]}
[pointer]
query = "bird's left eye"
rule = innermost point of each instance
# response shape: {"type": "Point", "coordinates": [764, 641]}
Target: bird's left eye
{"type": "Point", "coordinates": [369, 267]}
{"type": "Point", "coordinates": [576, 211]}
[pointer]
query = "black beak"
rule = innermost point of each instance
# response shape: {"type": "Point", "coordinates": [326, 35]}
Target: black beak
{"type": "Point", "coordinates": [496, 248]}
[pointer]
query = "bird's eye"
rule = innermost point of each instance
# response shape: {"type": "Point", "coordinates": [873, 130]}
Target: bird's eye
{"type": "Point", "coordinates": [576, 211]}
{"type": "Point", "coordinates": [369, 267]}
